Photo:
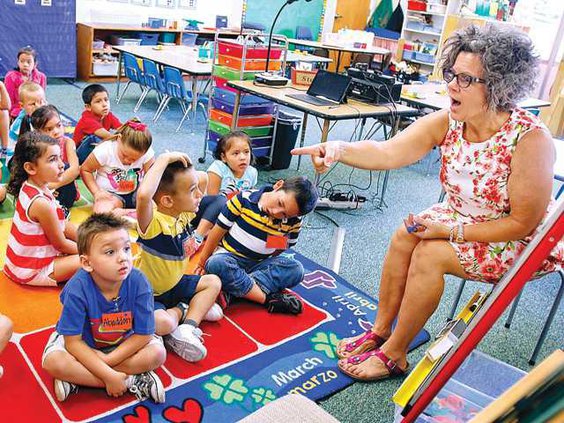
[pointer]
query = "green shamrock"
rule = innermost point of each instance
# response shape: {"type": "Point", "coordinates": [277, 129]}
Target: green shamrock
{"type": "Point", "coordinates": [227, 389]}
{"type": "Point", "coordinates": [325, 343]}
{"type": "Point", "coordinates": [263, 396]}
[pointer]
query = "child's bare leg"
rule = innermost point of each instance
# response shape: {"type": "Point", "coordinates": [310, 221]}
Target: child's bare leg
{"type": "Point", "coordinates": [63, 366]}
{"type": "Point", "coordinates": [256, 295]}
{"type": "Point", "coordinates": [150, 357]}
{"type": "Point", "coordinates": [202, 181]}
{"type": "Point", "coordinates": [167, 320]}
{"type": "Point", "coordinates": [65, 267]}
{"type": "Point", "coordinates": [206, 292]}
{"type": "Point", "coordinates": [4, 127]}
{"type": "Point", "coordinates": [6, 329]}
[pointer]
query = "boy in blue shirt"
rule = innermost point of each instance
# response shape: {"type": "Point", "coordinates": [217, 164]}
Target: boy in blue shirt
{"type": "Point", "coordinates": [105, 335]}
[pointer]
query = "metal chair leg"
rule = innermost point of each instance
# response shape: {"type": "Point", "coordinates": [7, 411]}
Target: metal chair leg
{"type": "Point", "coordinates": [161, 108]}
{"type": "Point", "coordinates": [456, 299]}
{"type": "Point", "coordinates": [141, 99]}
{"type": "Point", "coordinates": [548, 321]}
{"type": "Point", "coordinates": [184, 117]}
{"type": "Point", "coordinates": [513, 309]}
{"type": "Point", "coordinates": [123, 92]}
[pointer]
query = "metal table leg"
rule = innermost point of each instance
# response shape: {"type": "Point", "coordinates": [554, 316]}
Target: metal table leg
{"type": "Point", "coordinates": [302, 138]}
{"type": "Point", "coordinates": [118, 77]}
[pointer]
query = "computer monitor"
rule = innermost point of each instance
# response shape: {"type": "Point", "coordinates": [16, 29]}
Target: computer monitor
{"type": "Point", "coordinates": [332, 86]}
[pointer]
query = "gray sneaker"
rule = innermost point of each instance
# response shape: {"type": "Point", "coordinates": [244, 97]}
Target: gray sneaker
{"type": "Point", "coordinates": [63, 389]}
{"type": "Point", "coordinates": [146, 385]}
{"type": "Point", "coordinates": [187, 342]}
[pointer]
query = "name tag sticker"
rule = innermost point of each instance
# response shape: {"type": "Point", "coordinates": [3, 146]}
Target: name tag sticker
{"type": "Point", "coordinates": [126, 185]}
{"type": "Point", "coordinates": [276, 242]}
{"type": "Point", "coordinates": [117, 321]}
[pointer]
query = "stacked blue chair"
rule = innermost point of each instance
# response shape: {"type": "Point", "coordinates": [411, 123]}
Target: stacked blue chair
{"type": "Point", "coordinates": [133, 73]}
{"type": "Point", "coordinates": [153, 82]}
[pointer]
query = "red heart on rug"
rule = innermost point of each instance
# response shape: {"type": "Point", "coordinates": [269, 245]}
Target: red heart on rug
{"type": "Point", "coordinates": [190, 413]}
{"type": "Point", "coordinates": [141, 415]}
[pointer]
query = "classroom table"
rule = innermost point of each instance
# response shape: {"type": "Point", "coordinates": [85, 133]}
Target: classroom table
{"type": "Point", "coordinates": [353, 109]}
{"type": "Point", "coordinates": [340, 50]}
{"type": "Point", "coordinates": [183, 58]}
{"type": "Point", "coordinates": [433, 95]}
{"type": "Point", "coordinates": [292, 57]}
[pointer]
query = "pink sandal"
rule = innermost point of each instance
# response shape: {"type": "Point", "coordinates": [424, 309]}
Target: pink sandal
{"type": "Point", "coordinates": [367, 342]}
{"type": "Point", "coordinates": [391, 366]}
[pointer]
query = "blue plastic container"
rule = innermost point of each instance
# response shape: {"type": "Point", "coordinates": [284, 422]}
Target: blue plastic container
{"type": "Point", "coordinates": [245, 109]}
{"type": "Point", "coordinates": [229, 97]}
{"type": "Point", "coordinates": [189, 39]}
{"type": "Point", "coordinates": [148, 38]}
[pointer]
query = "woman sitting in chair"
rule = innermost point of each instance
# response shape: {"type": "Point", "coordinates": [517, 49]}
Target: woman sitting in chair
{"type": "Point", "coordinates": [491, 152]}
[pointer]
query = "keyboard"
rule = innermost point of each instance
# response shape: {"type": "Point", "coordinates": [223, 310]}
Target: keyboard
{"type": "Point", "coordinates": [312, 100]}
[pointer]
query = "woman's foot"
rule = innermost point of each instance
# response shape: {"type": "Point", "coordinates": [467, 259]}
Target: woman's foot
{"type": "Point", "coordinates": [372, 365]}
{"type": "Point", "coordinates": [366, 341]}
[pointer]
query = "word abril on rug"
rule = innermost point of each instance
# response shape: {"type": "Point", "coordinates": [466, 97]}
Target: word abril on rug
{"type": "Point", "coordinates": [253, 358]}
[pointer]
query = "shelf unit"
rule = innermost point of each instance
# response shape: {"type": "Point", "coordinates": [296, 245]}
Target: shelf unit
{"type": "Point", "coordinates": [423, 32]}
{"type": "Point", "coordinates": [88, 32]}
{"type": "Point", "coordinates": [240, 60]}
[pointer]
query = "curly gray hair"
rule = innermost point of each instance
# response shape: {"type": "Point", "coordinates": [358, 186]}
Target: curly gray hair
{"type": "Point", "coordinates": [508, 58]}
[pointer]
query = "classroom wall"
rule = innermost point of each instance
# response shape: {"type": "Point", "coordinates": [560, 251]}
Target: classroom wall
{"type": "Point", "coordinates": [106, 11]}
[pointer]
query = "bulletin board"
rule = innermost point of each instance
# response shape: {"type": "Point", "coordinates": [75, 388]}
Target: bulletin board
{"type": "Point", "coordinates": [300, 13]}
{"type": "Point", "coordinates": [49, 26]}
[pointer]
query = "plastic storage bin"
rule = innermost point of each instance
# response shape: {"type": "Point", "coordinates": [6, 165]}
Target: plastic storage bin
{"type": "Point", "coordinates": [244, 109]}
{"type": "Point", "coordinates": [407, 55]}
{"type": "Point", "coordinates": [235, 49]}
{"type": "Point", "coordinates": [257, 131]}
{"type": "Point", "coordinates": [148, 38]}
{"type": "Point", "coordinates": [287, 131]}
{"type": "Point", "coordinates": [231, 74]}
{"type": "Point", "coordinates": [189, 39]}
{"type": "Point", "coordinates": [228, 96]}
{"type": "Point", "coordinates": [117, 40]}
{"type": "Point", "coordinates": [167, 37]}
{"type": "Point", "coordinates": [227, 119]}
{"type": "Point", "coordinates": [222, 84]}
{"type": "Point", "coordinates": [250, 64]}
{"type": "Point", "coordinates": [418, 5]}
{"type": "Point", "coordinates": [423, 57]}
{"type": "Point", "coordinates": [98, 44]}
{"type": "Point", "coordinates": [105, 68]}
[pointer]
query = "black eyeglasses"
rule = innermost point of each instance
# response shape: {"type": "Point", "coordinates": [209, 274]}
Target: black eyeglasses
{"type": "Point", "coordinates": [462, 79]}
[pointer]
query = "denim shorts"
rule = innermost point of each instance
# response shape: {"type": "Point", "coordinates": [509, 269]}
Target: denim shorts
{"type": "Point", "coordinates": [183, 291]}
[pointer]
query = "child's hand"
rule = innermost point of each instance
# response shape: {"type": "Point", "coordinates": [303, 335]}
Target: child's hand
{"type": "Point", "coordinates": [200, 269]}
{"type": "Point", "coordinates": [176, 156]}
{"type": "Point", "coordinates": [115, 385]}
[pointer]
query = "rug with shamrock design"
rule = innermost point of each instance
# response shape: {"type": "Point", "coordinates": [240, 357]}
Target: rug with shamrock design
{"type": "Point", "coordinates": [253, 358]}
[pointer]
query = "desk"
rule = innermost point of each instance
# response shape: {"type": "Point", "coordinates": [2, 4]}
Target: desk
{"type": "Point", "coordinates": [292, 57]}
{"type": "Point", "coordinates": [433, 96]}
{"type": "Point", "coordinates": [352, 110]}
{"type": "Point", "coordinates": [182, 58]}
{"type": "Point", "coordinates": [338, 49]}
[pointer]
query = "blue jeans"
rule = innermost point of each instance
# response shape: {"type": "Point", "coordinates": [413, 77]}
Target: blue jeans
{"type": "Point", "coordinates": [86, 147]}
{"type": "Point", "coordinates": [210, 208]}
{"type": "Point", "coordinates": [238, 274]}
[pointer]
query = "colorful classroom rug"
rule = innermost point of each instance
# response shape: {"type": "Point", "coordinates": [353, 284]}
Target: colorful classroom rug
{"type": "Point", "coordinates": [253, 356]}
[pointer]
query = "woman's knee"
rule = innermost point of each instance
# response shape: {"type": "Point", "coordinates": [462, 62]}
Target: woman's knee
{"type": "Point", "coordinates": [430, 256]}
{"type": "Point", "coordinates": [403, 242]}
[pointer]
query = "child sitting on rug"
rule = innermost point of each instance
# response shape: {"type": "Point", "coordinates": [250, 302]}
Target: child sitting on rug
{"type": "Point", "coordinates": [105, 335]}
{"type": "Point", "coordinates": [5, 335]}
{"type": "Point", "coordinates": [32, 97]}
{"type": "Point", "coordinates": [166, 240]}
{"type": "Point", "coordinates": [254, 228]}
{"type": "Point", "coordinates": [41, 247]}
{"type": "Point", "coordinates": [47, 121]}
{"type": "Point", "coordinates": [114, 169]}
{"type": "Point", "coordinates": [96, 122]}
{"type": "Point", "coordinates": [230, 173]}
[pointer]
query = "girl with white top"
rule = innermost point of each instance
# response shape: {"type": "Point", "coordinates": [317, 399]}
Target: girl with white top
{"type": "Point", "coordinates": [113, 171]}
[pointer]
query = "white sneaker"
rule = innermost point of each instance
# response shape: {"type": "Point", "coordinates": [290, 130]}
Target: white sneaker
{"type": "Point", "coordinates": [63, 389]}
{"type": "Point", "coordinates": [1, 371]}
{"type": "Point", "coordinates": [214, 314]}
{"type": "Point", "coordinates": [146, 385]}
{"type": "Point", "coordinates": [187, 342]}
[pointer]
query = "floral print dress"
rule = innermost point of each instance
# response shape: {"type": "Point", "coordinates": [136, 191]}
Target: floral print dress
{"type": "Point", "coordinates": [474, 177]}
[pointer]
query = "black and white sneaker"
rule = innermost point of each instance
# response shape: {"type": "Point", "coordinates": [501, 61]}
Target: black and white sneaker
{"type": "Point", "coordinates": [63, 389]}
{"type": "Point", "coordinates": [283, 302]}
{"type": "Point", "coordinates": [146, 385]}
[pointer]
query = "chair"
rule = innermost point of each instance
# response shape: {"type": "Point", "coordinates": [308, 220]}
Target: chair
{"type": "Point", "coordinates": [551, 313]}
{"type": "Point", "coordinates": [153, 82]}
{"type": "Point", "coordinates": [133, 73]}
{"type": "Point", "coordinates": [176, 89]}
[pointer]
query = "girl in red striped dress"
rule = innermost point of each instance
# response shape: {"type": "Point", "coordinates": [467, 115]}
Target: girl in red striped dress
{"type": "Point", "coordinates": [42, 244]}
